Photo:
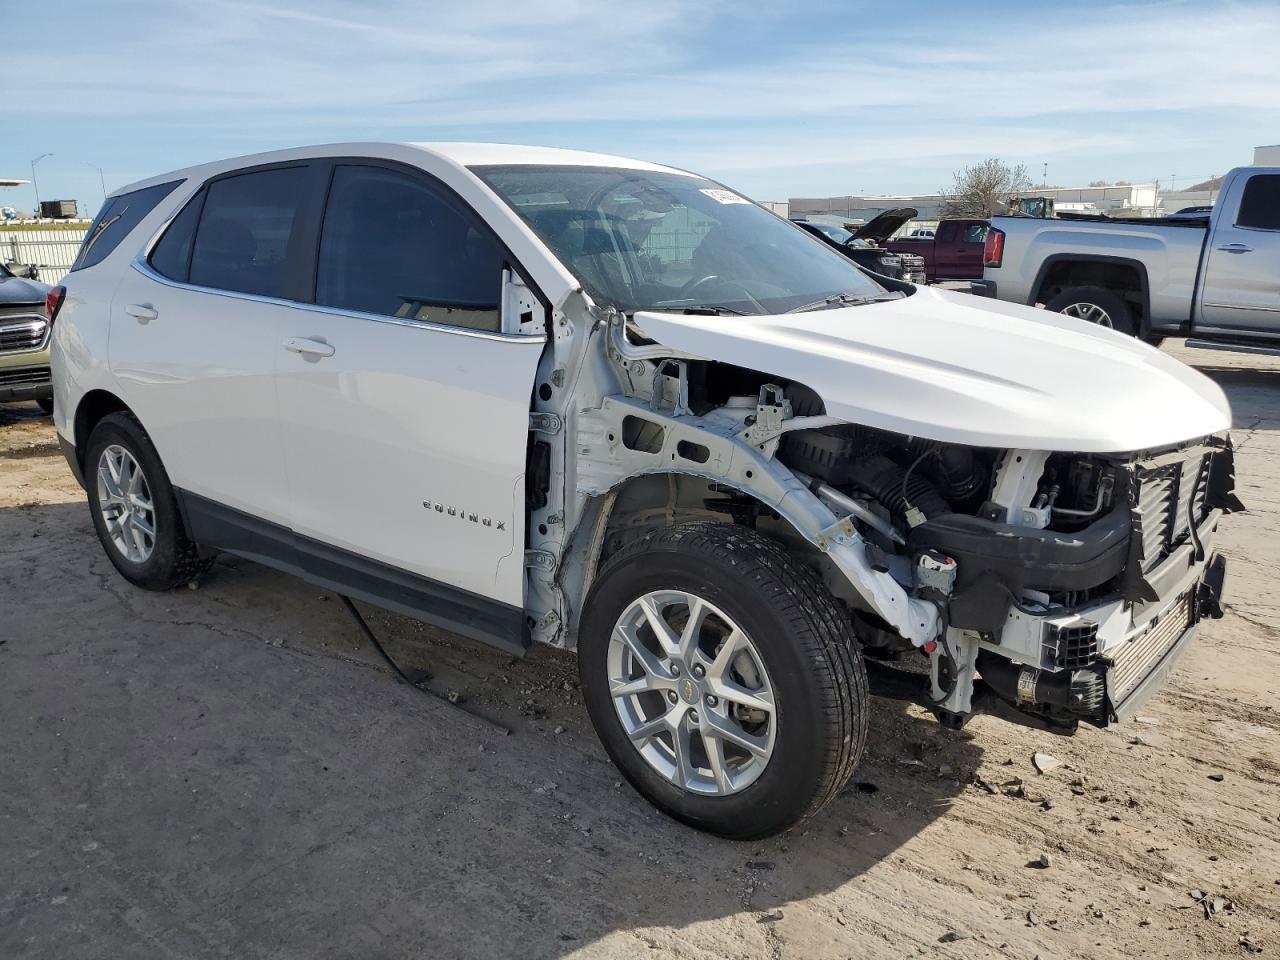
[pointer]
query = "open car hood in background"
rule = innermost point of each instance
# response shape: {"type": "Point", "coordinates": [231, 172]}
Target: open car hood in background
{"type": "Point", "coordinates": [961, 369]}
{"type": "Point", "coordinates": [880, 228]}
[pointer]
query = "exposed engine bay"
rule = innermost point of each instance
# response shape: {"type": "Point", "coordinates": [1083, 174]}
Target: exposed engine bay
{"type": "Point", "coordinates": [1061, 580]}
{"type": "Point", "coordinates": [989, 534]}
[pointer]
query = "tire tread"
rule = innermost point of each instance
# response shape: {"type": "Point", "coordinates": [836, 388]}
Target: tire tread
{"type": "Point", "coordinates": [822, 632]}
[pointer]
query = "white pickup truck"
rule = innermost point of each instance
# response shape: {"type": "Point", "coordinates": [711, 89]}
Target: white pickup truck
{"type": "Point", "coordinates": [1215, 279]}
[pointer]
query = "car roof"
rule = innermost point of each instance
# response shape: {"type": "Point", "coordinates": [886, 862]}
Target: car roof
{"type": "Point", "coordinates": [461, 154]}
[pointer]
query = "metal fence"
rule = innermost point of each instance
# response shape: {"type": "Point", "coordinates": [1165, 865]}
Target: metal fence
{"type": "Point", "coordinates": [51, 251]}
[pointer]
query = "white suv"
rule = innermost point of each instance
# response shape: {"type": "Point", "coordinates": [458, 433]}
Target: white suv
{"type": "Point", "coordinates": [533, 394]}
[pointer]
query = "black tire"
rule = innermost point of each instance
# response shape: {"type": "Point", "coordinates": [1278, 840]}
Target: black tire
{"type": "Point", "coordinates": [1118, 312]}
{"type": "Point", "coordinates": [174, 559]}
{"type": "Point", "coordinates": [808, 650]}
{"type": "Point", "coordinates": [46, 404]}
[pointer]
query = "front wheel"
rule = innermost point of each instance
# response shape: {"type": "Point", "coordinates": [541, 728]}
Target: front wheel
{"type": "Point", "coordinates": [723, 680]}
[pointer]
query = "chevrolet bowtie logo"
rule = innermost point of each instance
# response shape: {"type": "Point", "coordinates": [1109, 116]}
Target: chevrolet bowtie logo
{"type": "Point", "coordinates": [451, 511]}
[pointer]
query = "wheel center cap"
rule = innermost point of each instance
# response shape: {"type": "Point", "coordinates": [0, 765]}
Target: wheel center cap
{"type": "Point", "coordinates": [688, 691]}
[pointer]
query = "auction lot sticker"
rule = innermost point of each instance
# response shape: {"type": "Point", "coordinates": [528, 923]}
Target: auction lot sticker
{"type": "Point", "coordinates": [724, 196]}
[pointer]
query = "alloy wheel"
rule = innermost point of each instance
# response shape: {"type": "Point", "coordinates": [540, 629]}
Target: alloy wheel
{"type": "Point", "coordinates": [692, 693]}
{"type": "Point", "coordinates": [124, 502]}
{"type": "Point", "coordinates": [1089, 312]}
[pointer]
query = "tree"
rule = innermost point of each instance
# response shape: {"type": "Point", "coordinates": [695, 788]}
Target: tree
{"type": "Point", "coordinates": [984, 189]}
{"type": "Point", "coordinates": [1099, 183]}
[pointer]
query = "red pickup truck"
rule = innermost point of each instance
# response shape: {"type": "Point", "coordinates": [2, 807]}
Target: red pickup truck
{"type": "Point", "coordinates": [954, 252]}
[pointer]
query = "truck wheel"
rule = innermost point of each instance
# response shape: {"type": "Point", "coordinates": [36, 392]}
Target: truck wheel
{"type": "Point", "coordinates": [1095, 305]}
{"type": "Point", "coordinates": [134, 509]}
{"type": "Point", "coordinates": [723, 680]}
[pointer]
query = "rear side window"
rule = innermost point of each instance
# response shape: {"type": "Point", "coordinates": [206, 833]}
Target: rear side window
{"type": "Point", "coordinates": [242, 240]}
{"type": "Point", "coordinates": [1260, 207]}
{"type": "Point", "coordinates": [116, 220]}
{"type": "Point", "coordinates": [393, 245]}
{"type": "Point", "coordinates": [172, 255]}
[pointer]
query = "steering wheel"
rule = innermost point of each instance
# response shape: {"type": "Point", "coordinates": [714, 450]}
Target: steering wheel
{"type": "Point", "coordinates": [693, 285]}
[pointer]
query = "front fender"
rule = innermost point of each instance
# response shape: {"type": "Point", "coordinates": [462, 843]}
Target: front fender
{"type": "Point", "coordinates": [604, 463]}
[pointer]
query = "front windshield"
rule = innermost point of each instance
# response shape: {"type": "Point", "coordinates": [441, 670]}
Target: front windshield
{"type": "Point", "coordinates": [642, 240]}
{"type": "Point", "coordinates": [838, 234]}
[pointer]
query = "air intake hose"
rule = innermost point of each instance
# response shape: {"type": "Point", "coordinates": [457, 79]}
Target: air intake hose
{"type": "Point", "coordinates": [953, 467]}
{"type": "Point", "coordinates": [912, 502]}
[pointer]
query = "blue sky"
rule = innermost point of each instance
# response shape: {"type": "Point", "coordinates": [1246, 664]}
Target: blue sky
{"type": "Point", "coordinates": [777, 99]}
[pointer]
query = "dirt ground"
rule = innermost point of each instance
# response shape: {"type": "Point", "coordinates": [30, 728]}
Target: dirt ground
{"type": "Point", "coordinates": [230, 772]}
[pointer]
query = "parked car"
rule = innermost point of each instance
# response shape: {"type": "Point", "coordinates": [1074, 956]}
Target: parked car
{"type": "Point", "coordinates": [1192, 213]}
{"type": "Point", "coordinates": [1211, 278]}
{"type": "Point", "coordinates": [953, 252]}
{"type": "Point", "coordinates": [864, 246]}
{"type": "Point", "coordinates": [924, 233]}
{"type": "Point", "coordinates": [24, 341]}
{"type": "Point", "coordinates": [540, 395]}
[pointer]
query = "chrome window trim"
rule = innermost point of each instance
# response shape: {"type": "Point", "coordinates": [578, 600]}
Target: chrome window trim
{"type": "Point", "coordinates": [140, 264]}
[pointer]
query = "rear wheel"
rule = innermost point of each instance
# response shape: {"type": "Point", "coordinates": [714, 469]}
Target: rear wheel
{"type": "Point", "coordinates": [1095, 305]}
{"type": "Point", "coordinates": [134, 508]}
{"type": "Point", "coordinates": [722, 679]}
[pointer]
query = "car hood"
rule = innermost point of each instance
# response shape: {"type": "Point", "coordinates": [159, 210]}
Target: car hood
{"type": "Point", "coordinates": [17, 290]}
{"type": "Point", "coordinates": [962, 369]}
{"type": "Point", "coordinates": [880, 228]}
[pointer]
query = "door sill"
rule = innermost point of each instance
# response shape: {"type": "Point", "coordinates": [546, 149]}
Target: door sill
{"type": "Point", "coordinates": [440, 604]}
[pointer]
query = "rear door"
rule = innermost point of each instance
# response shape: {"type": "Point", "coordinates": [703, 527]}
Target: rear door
{"type": "Point", "coordinates": [1241, 290]}
{"type": "Point", "coordinates": [197, 324]}
{"type": "Point", "coordinates": [404, 399]}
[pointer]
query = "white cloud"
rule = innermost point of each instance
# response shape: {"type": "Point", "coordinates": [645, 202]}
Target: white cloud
{"type": "Point", "coordinates": [670, 78]}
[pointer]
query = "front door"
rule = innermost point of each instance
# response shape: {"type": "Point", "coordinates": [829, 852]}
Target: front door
{"type": "Point", "coordinates": [404, 405]}
{"type": "Point", "coordinates": [1241, 292]}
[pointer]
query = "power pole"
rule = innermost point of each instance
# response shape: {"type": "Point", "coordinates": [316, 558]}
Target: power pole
{"type": "Point", "coordinates": [34, 185]}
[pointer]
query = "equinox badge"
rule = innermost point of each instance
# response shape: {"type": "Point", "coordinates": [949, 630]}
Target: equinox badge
{"type": "Point", "coordinates": [464, 514]}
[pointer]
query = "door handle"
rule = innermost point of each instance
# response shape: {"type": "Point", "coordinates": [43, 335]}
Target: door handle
{"type": "Point", "coordinates": [142, 312]}
{"type": "Point", "coordinates": [309, 347]}
{"type": "Point", "coordinates": [1235, 248]}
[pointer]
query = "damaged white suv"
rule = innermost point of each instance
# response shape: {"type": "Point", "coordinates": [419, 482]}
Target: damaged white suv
{"type": "Point", "coordinates": [532, 394]}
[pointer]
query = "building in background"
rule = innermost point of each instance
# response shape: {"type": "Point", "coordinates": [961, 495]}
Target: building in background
{"type": "Point", "coordinates": [1197, 195]}
{"type": "Point", "coordinates": [1267, 156]}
